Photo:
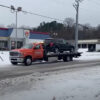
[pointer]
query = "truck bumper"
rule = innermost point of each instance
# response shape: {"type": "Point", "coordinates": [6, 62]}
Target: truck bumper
{"type": "Point", "coordinates": [17, 59]}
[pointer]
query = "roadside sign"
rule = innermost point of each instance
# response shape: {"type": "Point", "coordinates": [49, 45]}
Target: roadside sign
{"type": "Point", "coordinates": [27, 33]}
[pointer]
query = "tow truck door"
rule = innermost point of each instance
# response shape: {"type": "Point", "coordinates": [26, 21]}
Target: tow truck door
{"type": "Point", "coordinates": [38, 51]}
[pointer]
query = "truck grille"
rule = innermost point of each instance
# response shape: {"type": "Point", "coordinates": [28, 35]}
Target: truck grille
{"type": "Point", "coordinates": [14, 53]}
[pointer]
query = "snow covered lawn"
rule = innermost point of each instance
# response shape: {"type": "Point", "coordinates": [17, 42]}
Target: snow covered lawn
{"type": "Point", "coordinates": [88, 55]}
{"type": "Point", "coordinates": [4, 58]}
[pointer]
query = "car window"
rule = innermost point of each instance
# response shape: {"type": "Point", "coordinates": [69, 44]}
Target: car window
{"type": "Point", "coordinates": [47, 41]}
{"type": "Point", "coordinates": [37, 47]}
{"type": "Point", "coordinates": [65, 42]}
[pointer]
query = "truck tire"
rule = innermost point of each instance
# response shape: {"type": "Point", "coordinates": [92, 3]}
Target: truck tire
{"type": "Point", "coordinates": [45, 56]}
{"type": "Point", "coordinates": [68, 58]}
{"type": "Point", "coordinates": [28, 61]}
{"type": "Point", "coordinates": [71, 58]}
{"type": "Point", "coordinates": [59, 57]}
{"type": "Point", "coordinates": [14, 63]}
{"type": "Point", "coordinates": [64, 58]}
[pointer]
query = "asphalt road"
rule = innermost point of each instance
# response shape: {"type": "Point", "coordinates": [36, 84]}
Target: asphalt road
{"type": "Point", "coordinates": [20, 70]}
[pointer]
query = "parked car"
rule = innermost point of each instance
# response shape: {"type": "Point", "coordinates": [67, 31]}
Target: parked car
{"type": "Point", "coordinates": [58, 45]}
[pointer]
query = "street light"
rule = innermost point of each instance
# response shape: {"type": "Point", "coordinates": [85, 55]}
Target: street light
{"type": "Point", "coordinates": [16, 11]}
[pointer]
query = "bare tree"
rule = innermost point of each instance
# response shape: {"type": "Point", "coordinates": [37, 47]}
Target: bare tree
{"type": "Point", "coordinates": [69, 22]}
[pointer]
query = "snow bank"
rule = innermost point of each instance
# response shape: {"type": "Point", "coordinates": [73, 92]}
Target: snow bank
{"type": "Point", "coordinates": [4, 58]}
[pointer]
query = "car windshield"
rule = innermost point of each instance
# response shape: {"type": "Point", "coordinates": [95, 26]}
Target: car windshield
{"type": "Point", "coordinates": [48, 40]}
{"type": "Point", "coordinates": [61, 41]}
{"type": "Point", "coordinates": [28, 46]}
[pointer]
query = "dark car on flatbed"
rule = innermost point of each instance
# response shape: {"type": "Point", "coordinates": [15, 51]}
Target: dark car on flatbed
{"type": "Point", "coordinates": [58, 45]}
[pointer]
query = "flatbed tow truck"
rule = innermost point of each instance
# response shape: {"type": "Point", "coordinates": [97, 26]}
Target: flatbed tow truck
{"type": "Point", "coordinates": [35, 51]}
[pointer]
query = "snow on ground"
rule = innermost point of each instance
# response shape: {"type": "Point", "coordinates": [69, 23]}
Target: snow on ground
{"type": "Point", "coordinates": [4, 56]}
{"type": "Point", "coordinates": [86, 56]}
{"type": "Point", "coordinates": [63, 85]}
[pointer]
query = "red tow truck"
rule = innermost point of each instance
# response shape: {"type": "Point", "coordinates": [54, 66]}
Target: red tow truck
{"type": "Point", "coordinates": [36, 51]}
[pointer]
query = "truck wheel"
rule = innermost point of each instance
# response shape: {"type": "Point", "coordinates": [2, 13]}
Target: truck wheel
{"type": "Point", "coordinates": [68, 58]}
{"type": "Point", "coordinates": [46, 58]}
{"type": "Point", "coordinates": [14, 63]}
{"type": "Point", "coordinates": [71, 58]}
{"type": "Point", "coordinates": [28, 61]}
{"type": "Point", "coordinates": [64, 58]}
{"type": "Point", "coordinates": [59, 57]}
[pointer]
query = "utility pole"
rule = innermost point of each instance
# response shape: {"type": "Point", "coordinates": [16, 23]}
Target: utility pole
{"type": "Point", "coordinates": [76, 6]}
{"type": "Point", "coordinates": [16, 11]}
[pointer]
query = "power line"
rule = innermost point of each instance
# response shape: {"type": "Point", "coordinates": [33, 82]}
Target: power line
{"type": "Point", "coordinates": [4, 6]}
{"type": "Point", "coordinates": [42, 15]}
{"type": "Point", "coordinates": [36, 14]}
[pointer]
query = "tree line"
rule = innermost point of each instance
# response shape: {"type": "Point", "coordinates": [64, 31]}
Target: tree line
{"type": "Point", "coordinates": [66, 30]}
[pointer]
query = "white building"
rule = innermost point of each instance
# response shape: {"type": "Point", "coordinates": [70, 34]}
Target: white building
{"type": "Point", "coordinates": [92, 44]}
{"type": "Point", "coordinates": [8, 37]}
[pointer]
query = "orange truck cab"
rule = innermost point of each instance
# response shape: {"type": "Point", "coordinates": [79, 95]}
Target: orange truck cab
{"type": "Point", "coordinates": [27, 54]}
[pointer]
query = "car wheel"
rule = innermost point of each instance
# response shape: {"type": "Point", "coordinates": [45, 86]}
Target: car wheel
{"type": "Point", "coordinates": [64, 58]}
{"type": "Point", "coordinates": [28, 61]}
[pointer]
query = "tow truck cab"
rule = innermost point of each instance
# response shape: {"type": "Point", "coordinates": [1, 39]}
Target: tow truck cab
{"type": "Point", "coordinates": [27, 54]}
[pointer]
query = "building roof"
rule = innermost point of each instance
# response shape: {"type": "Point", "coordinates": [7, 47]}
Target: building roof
{"type": "Point", "coordinates": [5, 32]}
{"type": "Point", "coordinates": [34, 32]}
{"type": "Point", "coordinates": [3, 28]}
{"type": "Point", "coordinates": [8, 32]}
{"type": "Point", "coordinates": [39, 35]}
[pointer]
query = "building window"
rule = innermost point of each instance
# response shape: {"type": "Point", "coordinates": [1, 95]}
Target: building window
{"type": "Point", "coordinates": [19, 44]}
{"type": "Point", "coordinates": [3, 45]}
{"type": "Point", "coordinates": [84, 45]}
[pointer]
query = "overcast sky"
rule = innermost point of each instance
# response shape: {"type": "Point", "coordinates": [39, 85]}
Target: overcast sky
{"type": "Point", "coordinates": [61, 9]}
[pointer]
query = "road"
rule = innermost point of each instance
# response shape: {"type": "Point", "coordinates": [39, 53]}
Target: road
{"type": "Point", "coordinates": [21, 70]}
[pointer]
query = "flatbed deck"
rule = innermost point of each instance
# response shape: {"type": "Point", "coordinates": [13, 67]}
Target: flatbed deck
{"type": "Point", "coordinates": [66, 56]}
